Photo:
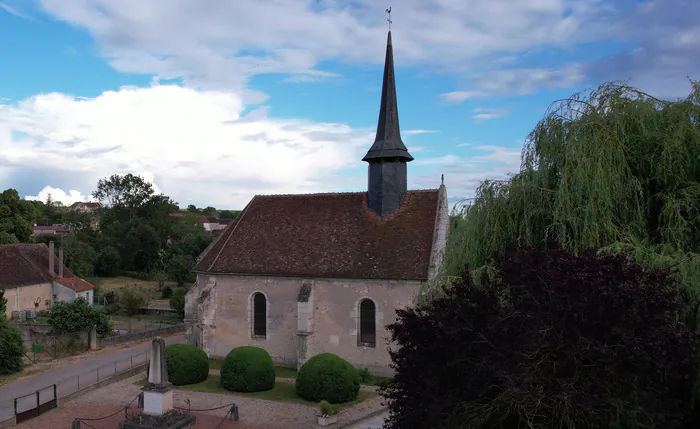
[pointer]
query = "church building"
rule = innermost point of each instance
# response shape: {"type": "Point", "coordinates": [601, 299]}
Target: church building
{"type": "Point", "coordinates": [300, 275]}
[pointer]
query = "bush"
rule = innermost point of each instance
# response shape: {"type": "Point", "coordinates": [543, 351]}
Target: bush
{"type": "Point", "coordinates": [548, 339]}
{"type": "Point", "coordinates": [131, 299]}
{"type": "Point", "coordinates": [78, 316]}
{"type": "Point", "coordinates": [248, 369]}
{"type": "Point", "coordinates": [11, 347]}
{"type": "Point", "coordinates": [187, 364]}
{"type": "Point", "coordinates": [177, 301]}
{"type": "Point", "coordinates": [167, 292]}
{"type": "Point", "coordinates": [330, 377]}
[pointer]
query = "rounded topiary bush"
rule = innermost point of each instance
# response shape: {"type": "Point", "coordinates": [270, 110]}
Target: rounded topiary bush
{"type": "Point", "coordinates": [328, 377]}
{"type": "Point", "coordinates": [187, 364]}
{"type": "Point", "coordinates": [248, 369]}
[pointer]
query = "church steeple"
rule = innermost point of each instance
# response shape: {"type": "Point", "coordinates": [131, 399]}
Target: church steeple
{"type": "Point", "coordinates": [388, 155]}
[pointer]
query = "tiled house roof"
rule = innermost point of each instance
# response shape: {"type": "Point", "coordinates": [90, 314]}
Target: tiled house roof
{"type": "Point", "coordinates": [327, 235]}
{"type": "Point", "coordinates": [26, 264]}
{"type": "Point", "coordinates": [75, 283]}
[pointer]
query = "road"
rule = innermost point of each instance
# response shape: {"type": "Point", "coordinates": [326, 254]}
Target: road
{"type": "Point", "coordinates": [69, 377]}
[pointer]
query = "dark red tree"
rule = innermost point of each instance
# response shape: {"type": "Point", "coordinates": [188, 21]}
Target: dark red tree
{"type": "Point", "coordinates": [552, 341]}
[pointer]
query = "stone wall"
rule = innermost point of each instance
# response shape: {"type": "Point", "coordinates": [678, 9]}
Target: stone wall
{"type": "Point", "coordinates": [41, 333]}
{"type": "Point", "coordinates": [119, 339]}
{"type": "Point", "coordinates": [219, 312]}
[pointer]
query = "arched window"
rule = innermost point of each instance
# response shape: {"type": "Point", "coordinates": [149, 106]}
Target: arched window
{"type": "Point", "coordinates": [368, 329]}
{"type": "Point", "coordinates": [259, 315]}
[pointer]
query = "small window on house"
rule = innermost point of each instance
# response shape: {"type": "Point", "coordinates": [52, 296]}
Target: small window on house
{"type": "Point", "coordinates": [368, 330]}
{"type": "Point", "coordinates": [259, 315]}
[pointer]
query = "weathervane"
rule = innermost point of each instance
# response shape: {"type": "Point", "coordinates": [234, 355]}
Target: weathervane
{"type": "Point", "coordinates": [389, 18]}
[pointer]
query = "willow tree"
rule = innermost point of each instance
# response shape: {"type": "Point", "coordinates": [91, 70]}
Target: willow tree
{"type": "Point", "coordinates": [613, 168]}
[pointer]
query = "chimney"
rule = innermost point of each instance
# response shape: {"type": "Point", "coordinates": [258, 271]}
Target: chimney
{"type": "Point", "coordinates": [60, 261]}
{"type": "Point", "coordinates": [51, 256]}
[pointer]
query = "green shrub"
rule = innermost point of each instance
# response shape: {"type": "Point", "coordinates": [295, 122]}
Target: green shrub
{"type": "Point", "coordinates": [187, 364]}
{"type": "Point", "coordinates": [330, 377]}
{"type": "Point", "coordinates": [328, 409]}
{"type": "Point", "coordinates": [11, 347]}
{"type": "Point", "coordinates": [248, 369]}
{"type": "Point", "coordinates": [167, 292]}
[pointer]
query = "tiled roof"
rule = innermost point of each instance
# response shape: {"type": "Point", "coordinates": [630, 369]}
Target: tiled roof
{"type": "Point", "coordinates": [327, 235]}
{"type": "Point", "coordinates": [26, 264]}
{"type": "Point", "coordinates": [200, 218]}
{"type": "Point", "coordinates": [75, 283]}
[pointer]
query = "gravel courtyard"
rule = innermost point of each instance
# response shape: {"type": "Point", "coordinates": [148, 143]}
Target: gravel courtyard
{"type": "Point", "coordinates": [254, 413]}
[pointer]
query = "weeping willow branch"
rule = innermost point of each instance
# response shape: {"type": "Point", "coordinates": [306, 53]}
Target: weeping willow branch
{"type": "Point", "coordinates": [614, 168]}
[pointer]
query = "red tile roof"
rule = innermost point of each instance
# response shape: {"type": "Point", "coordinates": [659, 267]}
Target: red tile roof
{"type": "Point", "coordinates": [26, 264]}
{"type": "Point", "coordinates": [327, 235]}
{"type": "Point", "coordinates": [75, 283]}
{"type": "Point", "coordinates": [200, 218]}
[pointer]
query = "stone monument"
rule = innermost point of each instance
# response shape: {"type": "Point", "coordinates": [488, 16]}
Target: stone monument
{"type": "Point", "coordinates": [158, 410]}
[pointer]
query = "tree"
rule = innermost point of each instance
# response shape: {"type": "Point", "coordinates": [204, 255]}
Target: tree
{"type": "Point", "coordinates": [180, 268]}
{"type": "Point", "coordinates": [78, 316]}
{"type": "Point", "coordinates": [108, 262]}
{"type": "Point", "coordinates": [11, 347]}
{"type": "Point", "coordinates": [15, 217]}
{"type": "Point", "coordinates": [3, 304]}
{"type": "Point", "coordinates": [192, 209]}
{"type": "Point", "coordinates": [229, 214]}
{"type": "Point", "coordinates": [209, 211]}
{"type": "Point", "coordinates": [131, 300]}
{"type": "Point", "coordinates": [80, 257]}
{"type": "Point", "coordinates": [177, 300]}
{"type": "Point", "coordinates": [129, 190]}
{"type": "Point", "coordinates": [615, 168]}
{"type": "Point", "coordinates": [542, 343]}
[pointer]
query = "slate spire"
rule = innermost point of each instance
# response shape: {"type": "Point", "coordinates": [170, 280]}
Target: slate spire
{"type": "Point", "coordinates": [388, 143]}
{"type": "Point", "coordinates": [388, 155]}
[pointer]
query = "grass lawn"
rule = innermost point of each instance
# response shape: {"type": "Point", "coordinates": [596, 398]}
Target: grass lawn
{"type": "Point", "coordinates": [282, 392]}
{"type": "Point", "coordinates": [107, 284]}
{"type": "Point", "coordinates": [283, 372]}
{"type": "Point", "coordinates": [280, 371]}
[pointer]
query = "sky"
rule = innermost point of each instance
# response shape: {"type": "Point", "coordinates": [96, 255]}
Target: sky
{"type": "Point", "coordinates": [214, 101]}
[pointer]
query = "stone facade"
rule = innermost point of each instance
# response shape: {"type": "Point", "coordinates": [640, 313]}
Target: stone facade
{"type": "Point", "coordinates": [327, 323]}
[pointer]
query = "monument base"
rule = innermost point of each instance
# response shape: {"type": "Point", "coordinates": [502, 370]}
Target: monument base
{"type": "Point", "coordinates": [157, 403]}
{"type": "Point", "coordinates": [173, 419]}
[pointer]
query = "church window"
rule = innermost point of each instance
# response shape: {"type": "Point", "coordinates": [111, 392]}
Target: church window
{"type": "Point", "coordinates": [259, 315]}
{"type": "Point", "coordinates": [368, 329]}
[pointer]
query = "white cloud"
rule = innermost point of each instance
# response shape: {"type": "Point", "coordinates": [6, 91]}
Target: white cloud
{"type": "Point", "coordinates": [416, 149]}
{"type": "Point", "coordinates": [413, 132]}
{"type": "Point", "coordinates": [188, 142]}
{"type": "Point", "coordinates": [67, 198]}
{"type": "Point", "coordinates": [485, 114]}
{"type": "Point", "coordinates": [219, 43]}
{"type": "Point", "coordinates": [516, 81]}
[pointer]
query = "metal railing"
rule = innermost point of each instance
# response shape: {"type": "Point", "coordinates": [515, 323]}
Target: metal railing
{"type": "Point", "coordinates": [72, 384]}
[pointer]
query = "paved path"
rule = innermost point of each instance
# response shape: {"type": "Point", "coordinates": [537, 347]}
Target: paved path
{"type": "Point", "coordinates": [66, 377]}
{"type": "Point", "coordinates": [376, 422]}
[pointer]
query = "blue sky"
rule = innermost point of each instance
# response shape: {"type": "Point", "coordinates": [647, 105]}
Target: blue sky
{"type": "Point", "coordinates": [215, 101]}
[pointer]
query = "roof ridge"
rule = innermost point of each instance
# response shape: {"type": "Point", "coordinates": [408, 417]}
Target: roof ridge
{"type": "Point", "coordinates": [319, 194]}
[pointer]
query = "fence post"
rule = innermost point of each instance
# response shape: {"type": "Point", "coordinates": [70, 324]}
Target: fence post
{"type": "Point", "coordinates": [98, 374]}
{"type": "Point", "coordinates": [15, 406]}
{"type": "Point", "coordinates": [55, 396]}
{"type": "Point", "coordinates": [38, 411]}
{"type": "Point", "coordinates": [132, 361]}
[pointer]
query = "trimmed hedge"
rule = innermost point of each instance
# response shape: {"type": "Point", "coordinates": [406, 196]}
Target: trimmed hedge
{"type": "Point", "coordinates": [187, 364]}
{"type": "Point", "coordinates": [328, 377]}
{"type": "Point", "coordinates": [248, 369]}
